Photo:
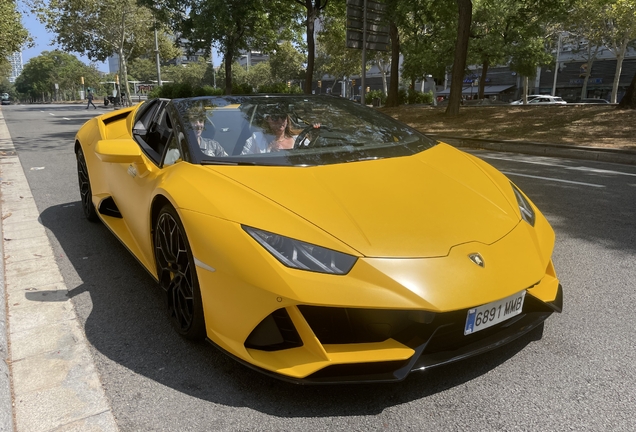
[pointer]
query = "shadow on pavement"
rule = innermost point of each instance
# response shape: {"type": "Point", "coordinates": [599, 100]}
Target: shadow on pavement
{"type": "Point", "coordinates": [127, 324]}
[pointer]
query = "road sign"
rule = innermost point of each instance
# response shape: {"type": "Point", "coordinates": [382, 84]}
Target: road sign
{"type": "Point", "coordinates": [377, 28]}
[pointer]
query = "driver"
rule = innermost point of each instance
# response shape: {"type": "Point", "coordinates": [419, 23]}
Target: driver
{"type": "Point", "coordinates": [276, 134]}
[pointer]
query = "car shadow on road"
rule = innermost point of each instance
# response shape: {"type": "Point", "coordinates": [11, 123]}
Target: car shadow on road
{"type": "Point", "coordinates": [125, 321]}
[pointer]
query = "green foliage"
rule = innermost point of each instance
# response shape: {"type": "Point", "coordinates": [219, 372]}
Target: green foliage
{"type": "Point", "coordinates": [331, 55]}
{"type": "Point", "coordinates": [402, 96]}
{"type": "Point", "coordinates": [375, 94]}
{"type": "Point", "coordinates": [280, 88]}
{"type": "Point", "coordinates": [143, 69]}
{"type": "Point", "coordinates": [193, 73]}
{"type": "Point", "coordinates": [286, 62]}
{"type": "Point", "coordinates": [41, 73]}
{"type": "Point", "coordinates": [427, 35]}
{"type": "Point", "coordinates": [243, 88]}
{"type": "Point", "coordinates": [100, 28]}
{"type": "Point", "coordinates": [259, 75]}
{"type": "Point", "coordinates": [12, 34]}
{"type": "Point", "coordinates": [236, 25]}
{"type": "Point", "coordinates": [415, 97]}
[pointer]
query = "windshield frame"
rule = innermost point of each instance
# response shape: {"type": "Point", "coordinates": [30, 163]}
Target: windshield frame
{"type": "Point", "coordinates": [412, 141]}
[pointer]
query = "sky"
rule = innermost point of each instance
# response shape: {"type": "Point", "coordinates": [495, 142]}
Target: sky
{"type": "Point", "coordinates": [42, 40]}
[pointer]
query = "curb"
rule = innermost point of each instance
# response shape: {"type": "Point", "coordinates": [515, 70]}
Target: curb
{"type": "Point", "coordinates": [55, 384]}
{"type": "Point", "coordinates": [600, 154]}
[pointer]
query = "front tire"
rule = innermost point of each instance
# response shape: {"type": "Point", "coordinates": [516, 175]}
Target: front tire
{"type": "Point", "coordinates": [86, 193]}
{"type": "Point", "coordinates": [177, 275]}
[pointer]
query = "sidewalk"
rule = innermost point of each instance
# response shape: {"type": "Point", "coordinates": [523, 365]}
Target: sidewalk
{"type": "Point", "coordinates": [48, 381]}
{"type": "Point", "coordinates": [600, 154]}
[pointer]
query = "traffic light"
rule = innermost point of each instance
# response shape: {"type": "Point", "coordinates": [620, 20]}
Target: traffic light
{"type": "Point", "coordinates": [288, 83]}
{"type": "Point", "coordinates": [82, 79]}
{"type": "Point", "coordinates": [353, 82]}
{"type": "Point", "coordinates": [319, 84]}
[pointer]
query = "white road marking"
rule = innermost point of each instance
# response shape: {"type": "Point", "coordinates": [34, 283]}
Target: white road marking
{"type": "Point", "coordinates": [66, 118]}
{"type": "Point", "coordinates": [51, 114]}
{"type": "Point", "coordinates": [554, 164]}
{"type": "Point", "coordinates": [554, 179]}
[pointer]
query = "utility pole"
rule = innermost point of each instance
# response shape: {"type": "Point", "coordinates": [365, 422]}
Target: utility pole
{"type": "Point", "coordinates": [556, 65]}
{"type": "Point", "coordinates": [157, 55]}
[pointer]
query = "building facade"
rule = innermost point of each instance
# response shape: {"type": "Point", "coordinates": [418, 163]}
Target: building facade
{"type": "Point", "coordinates": [15, 60]}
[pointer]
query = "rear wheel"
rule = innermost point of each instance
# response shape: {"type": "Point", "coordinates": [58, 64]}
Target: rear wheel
{"type": "Point", "coordinates": [177, 275]}
{"type": "Point", "coordinates": [85, 188]}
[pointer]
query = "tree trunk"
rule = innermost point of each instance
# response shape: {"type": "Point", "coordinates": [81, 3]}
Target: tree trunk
{"type": "Point", "coordinates": [227, 60]}
{"type": "Point", "coordinates": [311, 49]}
{"type": "Point", "coordinates": [461, 49]}
{"type": "Point", "coordinates": [392, 98]}
{"type": "Point", "coordinates": [629, 100]}
{"type": "Point", "coordinates": [617, 77]}
{"type": "Point", "coordinates": [620, 56]}
{"type": "Point", "coordinates": [590, 61]}
{"type": "Point", "coordinates": [482, 79]}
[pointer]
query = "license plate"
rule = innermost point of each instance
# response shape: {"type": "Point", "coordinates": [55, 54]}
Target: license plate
{"type": "Point", "coordinates": [488, 315]}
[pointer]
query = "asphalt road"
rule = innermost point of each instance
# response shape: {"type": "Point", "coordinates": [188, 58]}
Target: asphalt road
{"type": "Point", "coordinates": [576, 373]}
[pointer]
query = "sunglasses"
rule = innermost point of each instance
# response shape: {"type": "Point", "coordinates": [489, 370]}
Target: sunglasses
{"type": "Point", "coordinates": [275, 117]}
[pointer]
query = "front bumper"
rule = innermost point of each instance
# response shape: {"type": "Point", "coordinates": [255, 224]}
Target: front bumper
{"type": "Point", "coordinates": [416, 341]}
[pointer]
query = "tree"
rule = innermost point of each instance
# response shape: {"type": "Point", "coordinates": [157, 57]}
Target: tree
{"type": "Point", "coordinates": [332, 56]}
{"type": "Point", "coordinates": [12, 34]}
{"type": "Point", "coordinates": [143, 69]}
{"type": "Point", "coordinates": [259, 75]}
{"type": "Point", "coordinates": [427, 32]}
{"type": "Point", "coordinates": [237, 26]}
{"type": "Point", "coordinates": [101, 28]}
{"type": "Point", "coordinates": [313, 8]}
{"type": "Point", "coordinates": [193, 73]}
{"type": "Point", "coordinates": [286, 62]}
{"type": "Point", "coordinates": [41, 73]}
{"type": "Point", "coordinates": [465, 8]}
{"type": "Point", "coordinates": [618, 33]}
{"type": "Point", "coordinates": [586, 27]}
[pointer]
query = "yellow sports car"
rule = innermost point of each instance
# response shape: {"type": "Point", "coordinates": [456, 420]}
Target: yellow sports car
{"type": "Point", "coordinates": [317, 240]}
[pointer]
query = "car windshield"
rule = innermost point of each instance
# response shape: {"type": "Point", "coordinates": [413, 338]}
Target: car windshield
{"type": "Point", "coordinates": [292, 130]}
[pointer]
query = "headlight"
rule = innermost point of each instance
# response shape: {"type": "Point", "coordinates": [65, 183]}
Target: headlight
{"type": "Point", "coordinates": [300, 255]}
{"type": "Point", "coordinates": [527, 213]}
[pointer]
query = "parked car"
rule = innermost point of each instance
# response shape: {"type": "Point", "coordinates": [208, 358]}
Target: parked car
{"type": "Point", "coordinates": [593, 101]}
{"type": "Point", "coordinates": [520, 101]}
{"type": "Point", "coordinates": [547, 100]}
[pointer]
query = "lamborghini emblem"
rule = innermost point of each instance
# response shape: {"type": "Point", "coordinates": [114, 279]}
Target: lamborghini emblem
{"type": "Point", "coordinates": [477, 259]}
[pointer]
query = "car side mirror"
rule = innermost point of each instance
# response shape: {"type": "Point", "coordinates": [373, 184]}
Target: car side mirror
{"type": "Point", "coordinates": [118, 151]}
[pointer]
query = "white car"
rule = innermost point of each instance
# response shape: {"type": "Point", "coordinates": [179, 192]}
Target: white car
{"type": "Point", "coordinates": [547, 100]}
{"type": "Point", "coordinates": [520, 101]}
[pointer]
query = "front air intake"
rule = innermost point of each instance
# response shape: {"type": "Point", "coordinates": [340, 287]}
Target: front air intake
{"type": "Point", "coordinates": [276, 332]}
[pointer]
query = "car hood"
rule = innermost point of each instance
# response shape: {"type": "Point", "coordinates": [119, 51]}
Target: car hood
{"type": "Point", "coordinates": [413, 206]}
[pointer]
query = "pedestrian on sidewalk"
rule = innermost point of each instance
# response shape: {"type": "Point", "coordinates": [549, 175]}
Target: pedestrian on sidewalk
{"type": "Point", "coordinates": [90, 100]}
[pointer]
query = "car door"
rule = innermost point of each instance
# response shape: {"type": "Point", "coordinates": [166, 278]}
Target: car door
{"type": "Point", "coordinates": [133, 184]}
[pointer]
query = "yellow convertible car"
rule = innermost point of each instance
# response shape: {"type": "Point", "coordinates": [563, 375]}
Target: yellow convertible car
{"type": "Point", "coordinates": [317, 240]}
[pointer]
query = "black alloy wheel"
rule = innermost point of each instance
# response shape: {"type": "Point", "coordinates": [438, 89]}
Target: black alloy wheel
{"type": "Point", "coordinates": [85, 188]}
{"type": "Point", "coordinates": [177, 275]}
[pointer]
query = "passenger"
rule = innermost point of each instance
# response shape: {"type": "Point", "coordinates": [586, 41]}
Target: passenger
{"type": "Point", "coordinates": [208, 146]}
